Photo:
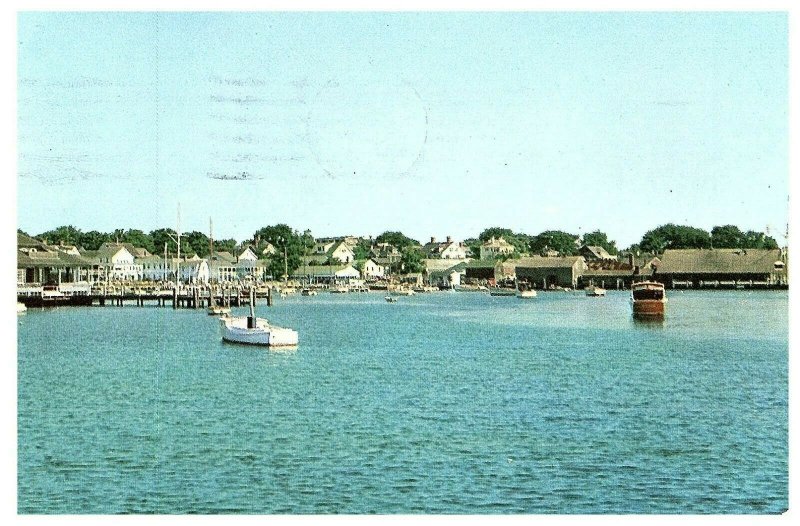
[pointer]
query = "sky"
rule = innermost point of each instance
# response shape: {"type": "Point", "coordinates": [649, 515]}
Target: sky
{"type": "Point", "coordinates": [433, 124]}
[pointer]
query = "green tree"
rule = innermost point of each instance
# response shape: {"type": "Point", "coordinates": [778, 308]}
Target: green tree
{"type": "Point", "coordinates": [362, 249]}
{"type": "Point", "coordinates": [411, 260]}
{"type": "Point", "coordinates": [495, 232]}
{"type": "Point", "coordinates": [282, 236]}
{"type": "Point", "coordinates": [225, 245]}
{"type": "Point", "coordinates": [68, 234]}
{"type": "Point", "coordinates": [561, 242]}
{"type": "Point", "coordinates": [600, 239]}
{"type": "Point", "coordinates": [474, 246]}
{"type": "Point", "coordinates": [754, 239]}
{"type": "Point", "coordinates": [93, 239]}
{"type": "Point", "coordinates": [396, 239]}
{"type": "Point", "coordinates": [138, 239]}
{"type": "Point", "coordinates": [674, 236]}
{"type": "Point", "coordinates": [728, 236]}
{"type": "Point", "coordinates": [195, 242]}
{"type": "Point", "coordinates": [160, 236]}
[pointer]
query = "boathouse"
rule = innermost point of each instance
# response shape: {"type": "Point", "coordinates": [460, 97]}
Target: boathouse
{"type": "Point", "coordinates": [550, 272]}
{"type": "Point", "coordinates": [442, 272]}
{"type": "Point", "coordinates": [723, 268]}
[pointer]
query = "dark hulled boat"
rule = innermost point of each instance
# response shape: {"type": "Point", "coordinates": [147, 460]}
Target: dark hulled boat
{"type": "Point", "coordinates": [648, 299]}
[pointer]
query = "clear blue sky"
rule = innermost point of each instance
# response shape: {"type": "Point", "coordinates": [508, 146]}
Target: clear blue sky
{"type": "Point", "coordinates": [430, 123]}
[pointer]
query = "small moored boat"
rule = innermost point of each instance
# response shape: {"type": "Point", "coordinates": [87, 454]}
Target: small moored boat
{"type": "Point", "coordinates": [593, 291]}
{"type": "Point", "coordinates": [648, 300]}
{"type": "Point", "coordinates": [308, 292]}
{"type": "Point", "coordinates": [500, 291]}
{"type": "Point", "coordinates": [256, 331]}
{"type": "Point", "coordinates": [21, 307]}
{"type": "Point", "coordinates": [218, 310]}
{"type": "Point", "coordinates": [390, 299]}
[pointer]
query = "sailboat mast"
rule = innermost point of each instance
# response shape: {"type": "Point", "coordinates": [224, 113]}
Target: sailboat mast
{"type": "Point", "coordinates": [179, 242]}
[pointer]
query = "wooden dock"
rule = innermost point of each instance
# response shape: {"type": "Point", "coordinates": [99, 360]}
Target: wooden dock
{"type": "Point", "coordinates": [187, 298]}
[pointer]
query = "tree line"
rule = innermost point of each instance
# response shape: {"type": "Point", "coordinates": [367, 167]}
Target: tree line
{"type": "Point", "coordinates": [290, 245]}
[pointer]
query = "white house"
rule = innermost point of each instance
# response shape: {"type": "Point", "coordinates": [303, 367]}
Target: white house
{"type": "Point", "coordinates": [222, 267]}
{"type": "Point", "coordinates": [336, 250]}
{"type": "Point", "coordinates": [447, 250]}
{"type": "Point", "coordinates": [194, 270]}
{"type": "Point", "coordinates": [372, 269]}
{"type": "Point", "coordinates": [118, 263]}
{"type": "Point", "coordinates": [247, 264]}
{"type": "Point", "coordinates": [496, 247]}
{"type": "Point", "coordinates": [154, 268]}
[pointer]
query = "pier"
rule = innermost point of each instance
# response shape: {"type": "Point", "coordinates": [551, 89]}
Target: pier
{"type": "Point", "coordinates": [193, 297]}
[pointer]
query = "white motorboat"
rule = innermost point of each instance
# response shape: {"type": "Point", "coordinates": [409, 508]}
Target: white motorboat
{"type": "Point", "coordinates": [21, 308]}
{"type": "Point", "coordinates": [390, 299]}
{"type": "Point", "coordinates": [593, 290]}
{"type": "Point", "coordinates": [218, 310]}
{"type": "Point", "coordinates": [526, 294]}
{"type": "Point", "coordinates": [256, 331]}
{"type": "Point", "coordinates": [308, 292]}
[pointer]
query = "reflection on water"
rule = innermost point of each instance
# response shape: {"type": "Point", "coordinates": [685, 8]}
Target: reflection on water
{"type": "Point", "coordinates": [648, 321]}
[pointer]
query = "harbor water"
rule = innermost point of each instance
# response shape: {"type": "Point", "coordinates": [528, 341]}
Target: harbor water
{"type": "Point", "coordinates": [438, 403]}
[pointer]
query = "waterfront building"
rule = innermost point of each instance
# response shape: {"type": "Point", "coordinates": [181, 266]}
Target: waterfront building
{"type": "Point", "coordinates": [115, 261]}
{"type": "Point", "coordinates": [723, 267]}
{"type": "Point", "coordinates": [222, 267]}
{"type": "Point", "coordinates": [41, 264]}
{"type": "Point", "coordinates": [154, 268]}
{"type": "Point", "coordinates": [548, 272]}
{"type": "Point", "coordinates": [249, 266]}
{"type": "Point", "coordinates": [372, 269]}
{"type": "Point", "coordinates": [594, 253]}
{"type": "Point", "coordinates": [327, 274]}
{"type": "Point", "coordinates": [615, 274]}
{"type": "Point", "coordinates": [448, 249]}
{"type": "Point", "coordinates": [341, 252]}
{"type": "Point", "coordinates": [194, 270]}
{"type": "Point", "coordinates": [495, 247]}
{"type": "Point", "coordinates": [443, 272]}
{"type": "Point", "coordinates": [68, 249]}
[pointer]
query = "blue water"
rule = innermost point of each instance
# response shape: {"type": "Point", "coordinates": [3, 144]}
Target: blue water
{"type": "Point", "coordinates": [440, 403]}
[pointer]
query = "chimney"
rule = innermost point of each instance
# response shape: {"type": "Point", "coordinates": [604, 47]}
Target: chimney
{"type": "Point", "coordinates": [630, 259]}
{"type": "Point", "coordinates": [449, 239]}
{"type": "Point", "coordinates": [433, 239]}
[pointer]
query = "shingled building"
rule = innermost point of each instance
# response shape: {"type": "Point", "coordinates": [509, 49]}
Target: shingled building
{"type": "Point", "coordinates": [698, 268]}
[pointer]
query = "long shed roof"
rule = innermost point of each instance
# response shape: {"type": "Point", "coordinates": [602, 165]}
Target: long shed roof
{"type": "Point", "coordinates": [719, 261]}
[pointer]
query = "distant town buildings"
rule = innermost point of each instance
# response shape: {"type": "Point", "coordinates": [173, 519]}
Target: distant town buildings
{"type": "Point", "coordinates": [445, 264]}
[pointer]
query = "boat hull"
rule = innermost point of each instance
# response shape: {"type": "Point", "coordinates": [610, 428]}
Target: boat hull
{"type": "Point", "coordinates": [235, 330]}
{"type": "Point", "coordinates": [648, 309]}
{"type": "Point", "coordinates": [526, 294]}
